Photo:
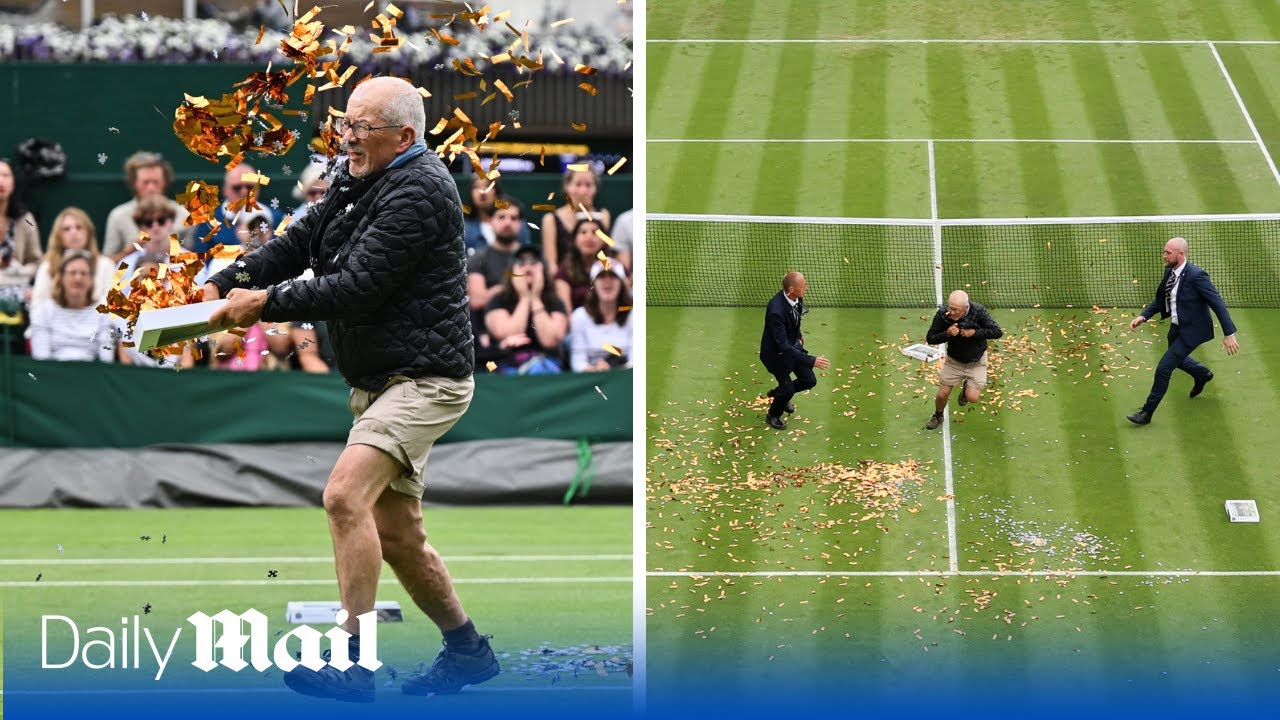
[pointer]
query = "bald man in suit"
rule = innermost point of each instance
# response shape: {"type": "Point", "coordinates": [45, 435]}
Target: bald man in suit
{"type": "Point", "coordinates": [782, 349]}
{"type": "Point", "coordinates": [1186, 295]}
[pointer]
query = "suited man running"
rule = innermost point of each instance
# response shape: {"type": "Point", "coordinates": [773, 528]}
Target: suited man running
{"type": "Point", "coordinates": [782, 349]}
{"type": "Point", "coordinates": [1185, 295]}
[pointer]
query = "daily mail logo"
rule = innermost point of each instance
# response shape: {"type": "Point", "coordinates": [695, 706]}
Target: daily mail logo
{"type": "Point", "coordinates": [224, 633]}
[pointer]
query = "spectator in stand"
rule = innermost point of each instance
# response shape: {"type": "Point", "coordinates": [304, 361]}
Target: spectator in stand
{"type": "Point", "coordinates": [155, 217]}
{"type": "Point", "coordinates": [477, 226]}
{"type": "Point", "coordinates": [526, 320]}
{"type": "Point", "coordinates": [603, 320]}
{"type": "Point", "coordinates": [147, 174]}
{"type": "Point", "coordinates": [19, 239]}
{"type": "Point", "coordinates": [126, 350]}
{"type": "Point", "coordinates": [304, 347]}
{"type": "Point", "coordinates": [573, 279]}
{"type": "Point", "coordinates": [73, 231]}
{"type": "Point", "coordinates": [310, 189]}
{"type": "Point", "coordinates": [557, 226]}
{"type": "Point", "coordinates": [70, 327]}
{"type": "Point", "coordinates": [233, 189]}
{"type": "Point", "coordinates": [253, 229]}
{"type": "Point", "coordinates": [622, 234]}
{"type": "Point", "coordinates": [487, 269]}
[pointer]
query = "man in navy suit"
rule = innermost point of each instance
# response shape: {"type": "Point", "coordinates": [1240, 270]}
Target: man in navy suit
{"type": "Point", "coordinates": [782, 349]}
{"type": "Point", "coordinates": [1185, 295]}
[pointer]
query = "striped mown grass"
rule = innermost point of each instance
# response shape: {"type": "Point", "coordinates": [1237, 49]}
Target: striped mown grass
{"type": "Point", "coordinates": [839, 127]}
{"type": "Point", "coordinates": [534, 577]}
{"type": "Point", "coordinates": [1047, 476]}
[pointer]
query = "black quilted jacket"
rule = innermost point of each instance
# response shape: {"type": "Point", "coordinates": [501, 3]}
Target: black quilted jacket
{"type": "Point", "coordinates": [390, 274]}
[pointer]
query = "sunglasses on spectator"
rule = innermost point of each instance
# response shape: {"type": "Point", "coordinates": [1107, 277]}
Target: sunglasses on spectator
{"type": "Point", "coordinates": [527, 261]}
{"type": "Point", "coordinates": [153, 221]}
{"type": "Point", "coordinates": [315, 192]}
{"type": "Point", "coordinates": [241, 187]}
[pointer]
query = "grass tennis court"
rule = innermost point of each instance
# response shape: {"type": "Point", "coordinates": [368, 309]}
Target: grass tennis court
{"type": "Point", "coordinates": [1040, 553]}
{"type": "Point", "coordinates": [550, 583]}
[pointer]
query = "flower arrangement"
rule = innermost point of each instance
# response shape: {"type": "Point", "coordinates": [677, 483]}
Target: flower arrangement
{"type": "Point", "coordinates": [143, 39]}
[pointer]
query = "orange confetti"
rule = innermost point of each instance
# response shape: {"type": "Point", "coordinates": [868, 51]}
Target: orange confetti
{"type": "Point", "coordinates": [616, 166]}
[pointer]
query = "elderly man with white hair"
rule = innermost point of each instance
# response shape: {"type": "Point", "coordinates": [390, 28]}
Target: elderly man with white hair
{"type": "Point", "coordinates": [390, 277]}
{"type": "Point", "coordinates": [965, 327]}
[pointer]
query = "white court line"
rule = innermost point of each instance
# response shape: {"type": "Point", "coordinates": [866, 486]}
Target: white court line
{"type": "Point", "coordinates": [308, 559]}
{"type": "Point", "coordinates": [952, 549]}
{"type": "Point", "coordinates": [1042, 141]}
{"type": "Point", "coordinates": [287, 581]}
{"type": "Point", "coordinates": [970, 573]}
{"type": "Point", "coordinates": [1240, 101]}
{"type": "Point", "coordinates": [953, 41]}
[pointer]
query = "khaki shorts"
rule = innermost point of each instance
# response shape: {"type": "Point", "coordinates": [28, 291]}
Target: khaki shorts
{"type": "Point", "coordinates": [953, 373]}
{"type": "Point", "coordinates": [406, 418]}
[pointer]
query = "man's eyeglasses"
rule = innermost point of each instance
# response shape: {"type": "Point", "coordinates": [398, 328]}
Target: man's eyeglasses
{"type": "Point", "coordinates": [360, 130]}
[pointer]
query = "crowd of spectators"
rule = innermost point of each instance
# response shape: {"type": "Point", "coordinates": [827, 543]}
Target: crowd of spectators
{"type": "Point", "coordinates": [545, 298]}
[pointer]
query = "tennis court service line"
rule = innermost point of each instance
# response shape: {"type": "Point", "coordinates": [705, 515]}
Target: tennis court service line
{"type": "Point", "coordinates": [288, 582]}
{"type": "Point", "coordinates": [968, 573]}
{"type": "Point", "coordinates": [1247, 118]}
{"type": "Point", "coordinates": [1042, 141]}
{"type": "Point", "coordinates": [953, 41]}
{"type": "Point", "coordinates": [51, 561]}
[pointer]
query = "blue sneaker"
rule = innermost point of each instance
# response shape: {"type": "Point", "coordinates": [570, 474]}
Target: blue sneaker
{"type": "Point", "coordinates": [353, 685]}
{"type": "Point", "coordinates": [453, 670]}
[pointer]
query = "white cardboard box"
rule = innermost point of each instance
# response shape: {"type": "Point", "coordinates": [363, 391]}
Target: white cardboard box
{"type": "Point", "coordinates": [1243, 510]}
{"type": "Point", "coordinates": [166, 326]}
{"type": "Point", "coordinates": [324, 612]}
{"type": "Point", "coordinates": [920, 351]}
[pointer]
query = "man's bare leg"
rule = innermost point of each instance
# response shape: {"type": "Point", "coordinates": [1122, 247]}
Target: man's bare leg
{"type": "Point", "coordinates": [359, 478]}
{"type": "Point", "coordinates": [418, 566]}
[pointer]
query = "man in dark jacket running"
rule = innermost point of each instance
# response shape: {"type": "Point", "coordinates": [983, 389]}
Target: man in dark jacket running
{"type": "Point", "coordinates": [965, 327]}
{"type": "Point", "coordinates": [385, 245]}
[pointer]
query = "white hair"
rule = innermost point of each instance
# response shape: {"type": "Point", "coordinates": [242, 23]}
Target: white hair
{"type": "Point", "coordinates": [404, 106]}
{"type": "Point", "coordinates": [310, 176]}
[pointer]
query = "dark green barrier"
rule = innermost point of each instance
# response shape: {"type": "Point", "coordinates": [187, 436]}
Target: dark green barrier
{"type": "Point", "coordinates": [64, 404]}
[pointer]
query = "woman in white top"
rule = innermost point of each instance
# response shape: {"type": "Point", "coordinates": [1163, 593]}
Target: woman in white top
{"type": "Point", "coordinates": [69, 327]}
{"type": "Point", "coordinates": [72, 230]}
{"type": "Point", "coordinates": [604, 319]}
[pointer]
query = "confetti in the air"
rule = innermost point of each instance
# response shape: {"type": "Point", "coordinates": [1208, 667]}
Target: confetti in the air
{"type": "Point", "coordinates": [606, 397]}
{"type": "Point", "coordinates": [102, 158]}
